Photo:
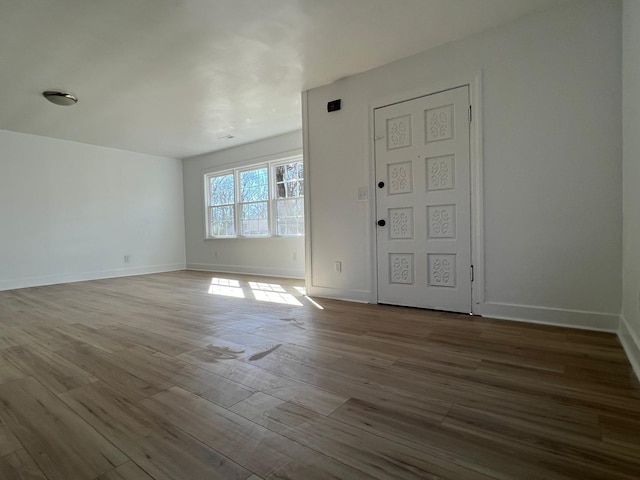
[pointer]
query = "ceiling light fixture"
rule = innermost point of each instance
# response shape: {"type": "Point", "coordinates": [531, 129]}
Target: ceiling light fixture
{"type": "Point", "coordinates": [60, 98]}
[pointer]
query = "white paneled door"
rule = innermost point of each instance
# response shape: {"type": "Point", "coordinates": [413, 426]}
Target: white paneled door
{"type": "Point", "coordinates": [423, 202]}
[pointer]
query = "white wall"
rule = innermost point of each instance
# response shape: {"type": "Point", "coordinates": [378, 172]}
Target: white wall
{"type": "Point", "coordinates": [552, 165]}
{"type": "Point", "coordinates": [70, 212]}
{"type": "Point", "coordinates": [261, 256]}
{"type": "Point", "coordinates": [630, 325]}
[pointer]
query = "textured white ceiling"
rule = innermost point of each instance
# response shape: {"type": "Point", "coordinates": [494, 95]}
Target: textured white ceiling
{"type": "Point", "coordinates": [170, 77]}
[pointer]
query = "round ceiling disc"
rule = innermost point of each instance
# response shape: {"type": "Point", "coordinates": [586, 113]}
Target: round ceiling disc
{"type": "Point", "coordinates": [60, 98]}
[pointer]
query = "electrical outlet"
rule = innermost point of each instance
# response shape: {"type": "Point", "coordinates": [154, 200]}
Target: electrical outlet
{"type": "Point", "coordinates": [337, 265]}
{"type": "Point", "coordinates": [126, 258]}
{"type": "Point", "coordinates": [215, 254]}
{"type": "Point", "coordinates": [363, 194]}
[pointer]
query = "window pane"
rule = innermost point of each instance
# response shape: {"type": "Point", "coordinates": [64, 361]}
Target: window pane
{"type": "Point", "coordinates": [289, 180]}
{"type": "Point", "coordinates": [221, 189]}
{"type": "Point", "coordinates": [222, 222]}
{"type": "Point", "coordinates": [290, 213]}
{"type": "Point", "coordinates": [254, 219]}
{"type": "Point", "coordinates": [254, 185]}
{"type": "Point", "coordinates": [289, 171]}
{"type": "Point", "coordinates": [295, 188]}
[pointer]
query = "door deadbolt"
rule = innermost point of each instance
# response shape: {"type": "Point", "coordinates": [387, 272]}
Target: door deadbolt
{"type": "Point", "coordinates": [380, 184]}
{"type": "Point", "coordinates": [382, 223]}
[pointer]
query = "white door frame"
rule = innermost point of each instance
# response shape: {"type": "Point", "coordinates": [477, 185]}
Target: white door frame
{"type": "Point", "coordinates": [474, 81]}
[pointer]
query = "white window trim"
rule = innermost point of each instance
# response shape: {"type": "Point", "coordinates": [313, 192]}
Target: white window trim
{"type": "Point", "coordinates": [271, 201]}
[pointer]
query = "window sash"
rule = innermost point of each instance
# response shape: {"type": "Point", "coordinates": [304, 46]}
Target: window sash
{"type": "Point", "coordinates": [285, 186]}
{"type": "Point", "coordinates": [210, 180]}
{"type": "Point", "coordinates": [288, 221]}
{"type": "Point", "coordinates": [228, 224]}
{"type": "Point", "coordinates": [257, 192]}
{"type": "Point", "coordinates": [254, 226]}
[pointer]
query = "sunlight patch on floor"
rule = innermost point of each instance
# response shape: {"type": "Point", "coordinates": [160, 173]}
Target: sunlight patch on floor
{"type": "Point", "coordinates": [274, 293]}
{"type": "Point", "coordinates": [314, 303]}
{"type": "Point", "coordinates": [267, 287]}
{"type": "Point", "coordinates": [226, 287]}
{"type": "Point", "coordinates": [263, 292]}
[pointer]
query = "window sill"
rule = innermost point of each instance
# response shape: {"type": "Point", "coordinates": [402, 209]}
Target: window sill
{"type": "Point", "coordinates": [255, 238]}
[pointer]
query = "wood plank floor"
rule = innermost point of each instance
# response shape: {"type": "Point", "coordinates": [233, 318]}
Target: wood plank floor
{"type": "Point", "coordinates": [194, 376]}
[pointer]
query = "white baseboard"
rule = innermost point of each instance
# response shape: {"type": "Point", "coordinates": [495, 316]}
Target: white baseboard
{"type": "Point", "coordinates": [84, 276]}
{"type": "Point", "coordinates": [360, 296]}
{"type": "Point", "coordinates": [606, 322]}
{"type": "Point", "coordinates": [248, 270]}
{"type": "Point", "coordinates": [631, 344]}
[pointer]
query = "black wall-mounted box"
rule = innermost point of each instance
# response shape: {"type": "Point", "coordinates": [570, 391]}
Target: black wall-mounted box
{"type": "Point", "coordinates": [334, 105]}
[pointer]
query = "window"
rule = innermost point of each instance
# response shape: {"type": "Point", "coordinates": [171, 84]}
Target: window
{"type": "Point", "coordinates": [289, 181]}
{"type": "Point", "coordinates": [256, 201]}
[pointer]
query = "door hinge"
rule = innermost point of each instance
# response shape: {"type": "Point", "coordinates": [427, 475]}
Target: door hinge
{"type": "Point", "coordinates": [472, 273]}
{"type": "Point", "coordinates": [470, 113]}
